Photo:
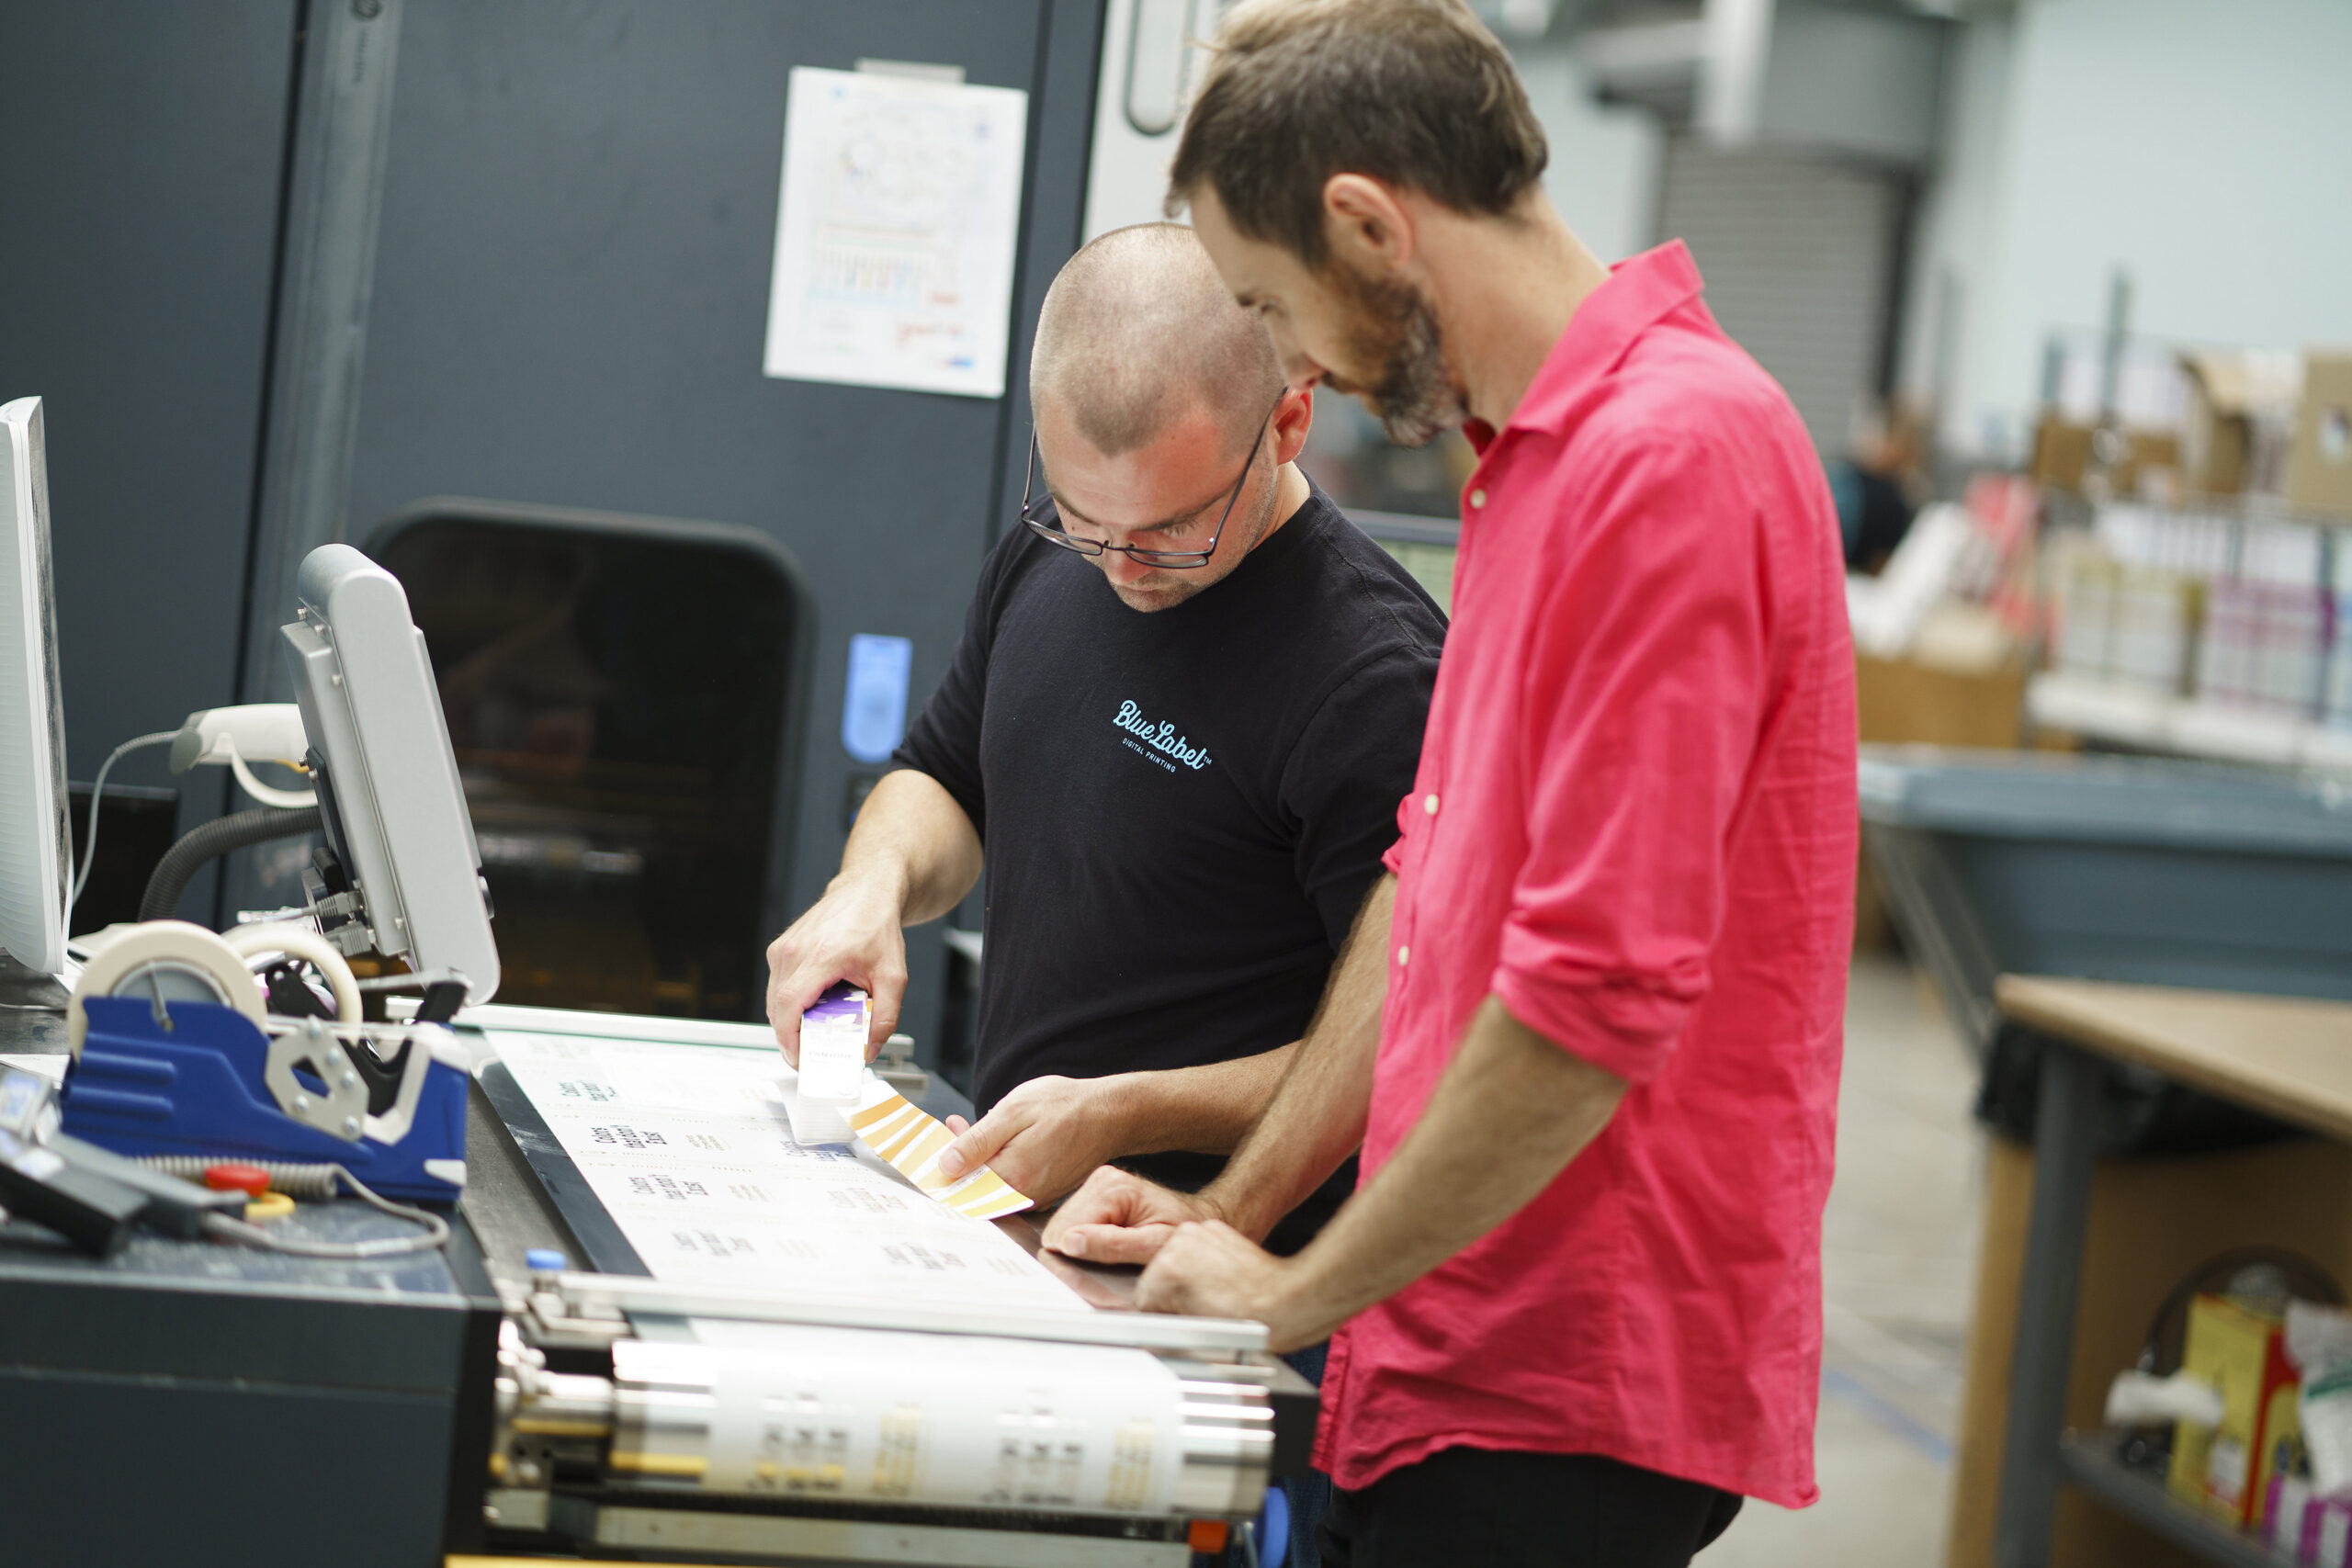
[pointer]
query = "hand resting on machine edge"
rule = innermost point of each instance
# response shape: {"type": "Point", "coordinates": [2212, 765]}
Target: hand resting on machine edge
{"type": "Point", "coordinates": [1119, 1217]}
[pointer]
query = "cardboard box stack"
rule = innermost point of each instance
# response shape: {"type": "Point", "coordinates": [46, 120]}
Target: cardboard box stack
{"type": "Point", "coordinates": [2318, 474]}
{"type": "Point", "coordinates": [2239, 420]}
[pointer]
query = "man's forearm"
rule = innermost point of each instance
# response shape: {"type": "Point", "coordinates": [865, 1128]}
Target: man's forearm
{"type": "Point", "coordinates": [1507, 1116]}
{"type": "Point", "coordinates": [913, 844]}
{"type": "Point", "coordinates": [1317, 1116]}
{"type": "Point", "coordinates": [912, 855]}
{"type": "Point", "coordinates": [1204, 1109]}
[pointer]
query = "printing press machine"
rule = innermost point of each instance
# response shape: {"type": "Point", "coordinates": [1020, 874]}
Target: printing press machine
{"type": "Point", "coordinates": [192, 1403]}
{"type": "Point", "coordinates": [332, 1382]}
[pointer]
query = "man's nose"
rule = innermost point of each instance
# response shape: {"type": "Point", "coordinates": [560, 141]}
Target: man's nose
{"type": "Point", "coordinates": [1123, 569]}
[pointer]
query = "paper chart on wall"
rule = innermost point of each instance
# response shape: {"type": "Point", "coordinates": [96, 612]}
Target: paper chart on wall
{"type": "Point", "coordinates": [900, 207]}
{"type": "Point", "coordinates": [690, 1150]}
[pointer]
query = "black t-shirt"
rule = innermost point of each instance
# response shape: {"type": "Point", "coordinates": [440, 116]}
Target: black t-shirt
{"type": "Point", "coordinates": [1182, 810]}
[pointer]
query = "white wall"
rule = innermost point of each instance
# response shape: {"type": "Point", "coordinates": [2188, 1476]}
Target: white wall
{"type": "Point", "coordinates": [1959, 232]}
{"type": "Point", "coordinates": [1603, 174]}
{"type": "Point", "coordinates": [2203, 145]}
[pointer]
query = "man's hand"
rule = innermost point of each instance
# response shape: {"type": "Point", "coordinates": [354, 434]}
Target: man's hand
{"type": "Point", "coordinates": [1210, 1269]}
{"type": "Point", "coordinates": [852, 934]}
{"type": "Point", "coordinates": [910, 855]}
{"type": "Point", "coordinates": [1120, 1218]}
{"type": "Point", "coordinates": [1045, 1136]}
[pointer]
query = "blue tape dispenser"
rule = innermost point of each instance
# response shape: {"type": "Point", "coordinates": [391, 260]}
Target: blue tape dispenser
{"type": "Point", "coordinates": [175, 1056]}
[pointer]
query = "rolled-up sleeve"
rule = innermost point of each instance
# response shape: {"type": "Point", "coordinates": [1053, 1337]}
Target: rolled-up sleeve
{"type": "Point", "coordinates": [1640, 713]}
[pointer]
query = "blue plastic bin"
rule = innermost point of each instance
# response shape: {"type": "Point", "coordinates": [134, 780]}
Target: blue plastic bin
{"type": "Point", "coordinates": [2110, 868]}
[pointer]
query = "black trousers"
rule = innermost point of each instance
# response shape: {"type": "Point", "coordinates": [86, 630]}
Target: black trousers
{"type": "Point", "coordinates": [1460, 1507]}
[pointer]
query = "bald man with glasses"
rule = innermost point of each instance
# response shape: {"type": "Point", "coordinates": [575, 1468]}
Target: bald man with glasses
{"type": "Point", "coordinates": [1044, 516]}
{"type": "Point", "coordinates": [1188, 698]}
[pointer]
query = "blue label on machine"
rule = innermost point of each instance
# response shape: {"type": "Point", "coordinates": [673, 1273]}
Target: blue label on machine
{"type": "Point", "coordinates": [874, 707]}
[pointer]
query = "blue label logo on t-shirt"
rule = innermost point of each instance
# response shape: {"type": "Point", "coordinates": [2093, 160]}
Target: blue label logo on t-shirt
{"type": "Point", "coordinates": [1162, 738]}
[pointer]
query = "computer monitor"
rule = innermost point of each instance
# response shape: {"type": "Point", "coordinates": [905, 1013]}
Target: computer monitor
{"type": "Point", "coordinates": [34, 838]}
{"type": "Point", "coordinates": [390, 798]}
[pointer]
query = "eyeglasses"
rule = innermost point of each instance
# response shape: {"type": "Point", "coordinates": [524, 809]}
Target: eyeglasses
{"type": "Point", "coordinates": [1034, 507]}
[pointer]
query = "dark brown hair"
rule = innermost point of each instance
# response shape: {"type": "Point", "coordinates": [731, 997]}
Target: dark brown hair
{"type": "Point", "coordinates": [1416, 93]}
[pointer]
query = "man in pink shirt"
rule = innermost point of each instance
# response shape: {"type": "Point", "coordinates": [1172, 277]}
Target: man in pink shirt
{"type": "Point", "coordinates": [1593, 1068]}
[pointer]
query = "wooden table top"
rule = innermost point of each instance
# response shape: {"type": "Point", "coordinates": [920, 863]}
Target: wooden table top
{"type": "Point", "coordinates": [2290, 1057]}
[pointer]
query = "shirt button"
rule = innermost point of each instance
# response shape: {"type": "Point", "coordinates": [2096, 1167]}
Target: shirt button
{"type": "Point", "coordinates": [1429, 804]}
{"type": "Point", "coordinates": [1477, 500]}
{"type": "Point", "coordinates": [1403, 954]}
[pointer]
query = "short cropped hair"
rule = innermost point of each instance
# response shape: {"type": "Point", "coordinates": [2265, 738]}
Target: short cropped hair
{"type": "Point", "coordinates": [1416, 93]}
{"type": "Point", "coordinates": [1138, 330]}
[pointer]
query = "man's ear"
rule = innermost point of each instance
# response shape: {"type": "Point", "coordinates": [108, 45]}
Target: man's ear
{"type": "Point", "coordinates": [1366, 226]}
{"type": "Point", "coordinates": [1293, 417]}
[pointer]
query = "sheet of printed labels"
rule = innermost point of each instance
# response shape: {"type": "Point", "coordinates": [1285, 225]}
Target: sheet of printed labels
{"type": "Point", "coordinates": [691, 1150]}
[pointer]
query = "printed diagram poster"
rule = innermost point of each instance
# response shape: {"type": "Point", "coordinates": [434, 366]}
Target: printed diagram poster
{"type": "Point", "coordinates": [895, 234]}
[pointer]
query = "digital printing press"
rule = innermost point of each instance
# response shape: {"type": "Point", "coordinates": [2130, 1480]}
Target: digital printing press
{"type": "Point", "coordinates": [415, 1368]}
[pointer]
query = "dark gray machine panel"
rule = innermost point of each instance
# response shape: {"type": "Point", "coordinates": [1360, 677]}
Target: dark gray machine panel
{"type": "Point", "coordinates": [145, 140]}
{"type": "Point", "coordinates": [570, 302]}
{"type": "Point", "coordinates": [250, 1410]}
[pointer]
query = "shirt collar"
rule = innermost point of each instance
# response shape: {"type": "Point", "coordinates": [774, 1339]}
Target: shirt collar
{"type": "Point", "coordinates": [1642, 290]}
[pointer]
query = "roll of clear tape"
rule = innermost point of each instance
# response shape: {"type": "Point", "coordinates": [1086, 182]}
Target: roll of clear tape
{"type": "Point", "coordinates": [301, 941]}
{"type": "Point", "coordinates": [166, 961]}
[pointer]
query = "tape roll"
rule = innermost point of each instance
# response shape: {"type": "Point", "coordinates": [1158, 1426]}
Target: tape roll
{"type": "Point", "coordinates": [171, 960]}
{"type": "Point", "coordinates": [301, 941]}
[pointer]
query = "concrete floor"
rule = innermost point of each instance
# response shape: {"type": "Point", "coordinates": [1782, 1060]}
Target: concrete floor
{"type": "Point", "coordinates": [1898, 1259]}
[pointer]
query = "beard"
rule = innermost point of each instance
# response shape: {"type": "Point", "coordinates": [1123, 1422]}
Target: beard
{"type": "Point", "coordinates": [1410, 390]}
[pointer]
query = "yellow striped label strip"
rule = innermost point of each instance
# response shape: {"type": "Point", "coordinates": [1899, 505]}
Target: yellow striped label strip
{"type": "Point", "coordinates": [911, 1142]}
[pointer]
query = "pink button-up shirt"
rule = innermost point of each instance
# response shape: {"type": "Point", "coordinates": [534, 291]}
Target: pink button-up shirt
{"type": "Point", "coordinates": [1634, 823]}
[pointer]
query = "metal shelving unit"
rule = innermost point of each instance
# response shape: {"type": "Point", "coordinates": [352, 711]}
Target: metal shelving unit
{"type": "Point", "coordinates": [2088, 1461]}
{"type": "Point", "coordinates": [2287, 1056]}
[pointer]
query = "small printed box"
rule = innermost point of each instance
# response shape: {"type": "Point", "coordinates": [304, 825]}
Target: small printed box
{"type": "Point", "coordinates": [833, 1045]}
{"type": "Point", "coordinates": [2225, 1471]}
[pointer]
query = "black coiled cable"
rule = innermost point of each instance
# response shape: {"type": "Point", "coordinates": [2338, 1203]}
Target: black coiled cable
{"type": "Point", "coordinates": [196, 849]}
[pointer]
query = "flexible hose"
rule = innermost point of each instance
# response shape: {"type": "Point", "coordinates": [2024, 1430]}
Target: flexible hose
{"type": "Point", "coordinates": [196, 849]}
